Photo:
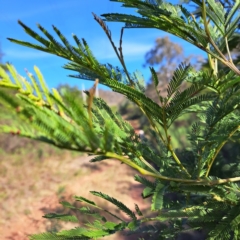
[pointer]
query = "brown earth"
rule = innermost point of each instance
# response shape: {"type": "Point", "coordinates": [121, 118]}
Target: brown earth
{"type": "Point", "coordinates": [29, 189]}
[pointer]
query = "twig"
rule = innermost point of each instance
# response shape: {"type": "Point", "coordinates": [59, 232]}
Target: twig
{"type": "Point", "coordinates": [218, 150]}
{"type": "Point", "coordinates": [161, 177]}
{"type": "Point", "coordinates": [229, 54]}
{"type": "Point", "coordinates": [119, 54]}
{"type": "Point", "coordinates": [122, 58]}
{"type": "Point", "coordinates": [224, 60]}
{"type": "Point", "coordinates": [91, 94]}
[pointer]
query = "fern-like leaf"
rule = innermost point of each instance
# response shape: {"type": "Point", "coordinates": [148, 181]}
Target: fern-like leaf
{"type": "Point", "coordinates": [114, 201]}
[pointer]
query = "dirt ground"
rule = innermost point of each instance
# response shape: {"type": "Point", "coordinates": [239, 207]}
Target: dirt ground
{"type": "Point", "coordinates": [29, 189]}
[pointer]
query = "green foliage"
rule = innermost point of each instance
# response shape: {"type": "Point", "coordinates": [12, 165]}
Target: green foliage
{"type": "Point", "coordinates": [206, 195]}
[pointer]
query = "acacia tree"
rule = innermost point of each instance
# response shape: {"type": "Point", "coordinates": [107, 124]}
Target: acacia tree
{"type": "Point", "coordinates": [207, 200]}
{"type": "Point", "coordinates": [166, 56]}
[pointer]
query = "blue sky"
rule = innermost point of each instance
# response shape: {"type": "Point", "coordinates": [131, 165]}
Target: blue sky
{"type": "Point", "coordinates": [73, 16]}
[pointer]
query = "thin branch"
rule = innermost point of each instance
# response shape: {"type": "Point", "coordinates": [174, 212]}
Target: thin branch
{"type": "Point", "coordinates": [169, 146]}
{"type": "Point", "coordinates": [152, 123]}
{"type": "Point", "coordinates": [91, 95]}
{"type": "Point", "coordinates": [223, 59]}
{"type": "Point", "coordinates": [119, 54]}
{"type": "Point", "coordinates": [218, 150]}
{"type": "Point", "coordinates": [225, 62]}
{"type": "Point", "coordinates": [161, 177]}
{"type": "Point", "coordinates": [122, 58]}
{"type": "Point", "coordinates": [177, 159]}
{"type": "Point", "coordinates": [204, 16]}
{"type": "Point", "coordinates": [229, 54]}
{"type": "Point", "coordinates": [216, 47]}
{"type": "Point", "coordinates": [148, 164]}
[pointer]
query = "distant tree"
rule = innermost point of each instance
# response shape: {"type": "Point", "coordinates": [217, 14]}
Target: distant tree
{"type": "Point", "coordinates": [166, 56]}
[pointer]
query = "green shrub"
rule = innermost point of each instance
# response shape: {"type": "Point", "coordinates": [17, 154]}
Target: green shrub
{"type": "Point", "coordinates": [205, 198]}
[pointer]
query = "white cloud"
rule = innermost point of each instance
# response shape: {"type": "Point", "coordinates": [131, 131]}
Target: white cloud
{"type": "Point", "coordinates": [131, 50]}
{"type": "Point", "coordinates": [102, 50]}
{"type": "Point", "coordinates": [12, 54]}
{"type": "Point", "coordinates": [37, 10]}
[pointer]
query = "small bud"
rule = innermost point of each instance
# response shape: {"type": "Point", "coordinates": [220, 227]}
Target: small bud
{"type": "Point", "coordinates": [18, 109]}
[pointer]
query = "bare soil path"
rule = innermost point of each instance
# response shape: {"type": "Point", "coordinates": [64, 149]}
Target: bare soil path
{"type": "Point", "coordinates": [30, 189]}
